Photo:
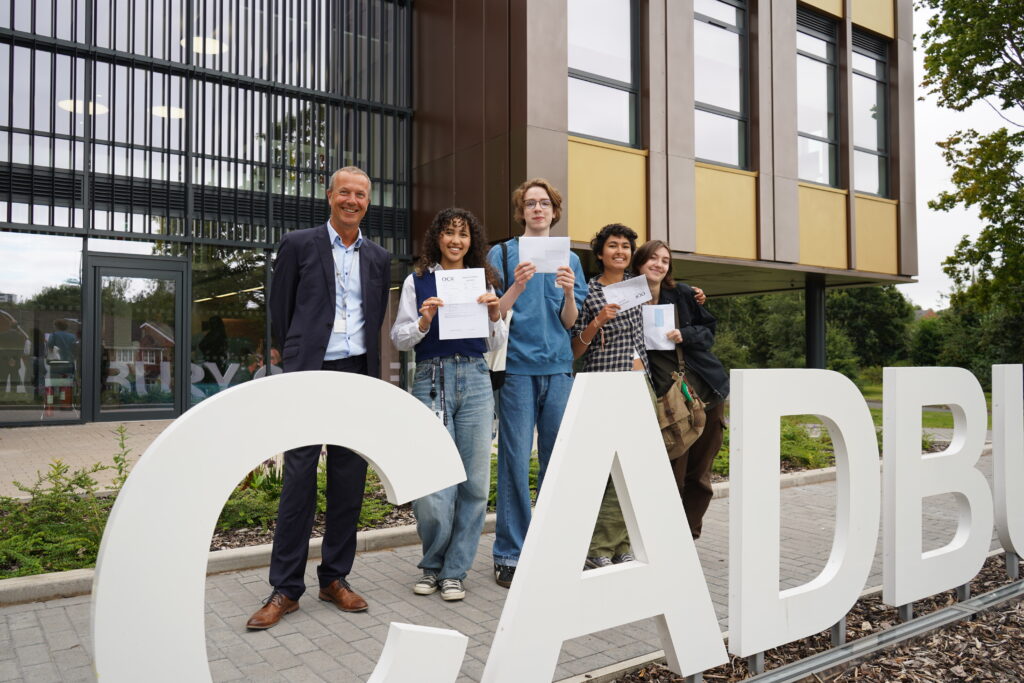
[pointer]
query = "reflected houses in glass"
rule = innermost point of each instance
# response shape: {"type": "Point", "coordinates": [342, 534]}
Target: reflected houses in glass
{"type": "Point", "coordinates": [40, 327]}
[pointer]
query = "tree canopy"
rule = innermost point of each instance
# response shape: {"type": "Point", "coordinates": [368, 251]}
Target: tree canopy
{"type": "Point", "coordinates": [974, 52]}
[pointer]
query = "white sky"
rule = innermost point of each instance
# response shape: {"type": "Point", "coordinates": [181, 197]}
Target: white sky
{"type": "Point", "coordinates": [938, 232]}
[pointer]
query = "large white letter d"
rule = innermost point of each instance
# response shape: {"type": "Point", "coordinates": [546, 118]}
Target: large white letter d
{"type": "Point", "coordinates": [609, 425]}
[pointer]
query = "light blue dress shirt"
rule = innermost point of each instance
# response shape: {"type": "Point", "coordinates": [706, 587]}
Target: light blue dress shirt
{"type": "Point", "coordinates": [348, 299]}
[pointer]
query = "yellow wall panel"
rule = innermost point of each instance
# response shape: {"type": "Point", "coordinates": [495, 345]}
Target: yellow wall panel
{"type": "Point", "coordinates": [875, 15]}
{"type": "Point", "coordinates": [822, 227]}
{"type": "Point", "coordinates": [607, 184]}
{"type": "Point", "coordinates": [833, 7]}
{"type": "Point", "coordinates": [877, 235]}
{"type": "Point", "coordinates": [726, 213]}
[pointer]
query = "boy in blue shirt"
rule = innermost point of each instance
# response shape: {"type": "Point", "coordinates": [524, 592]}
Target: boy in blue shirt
{"type": "Point", "coordinates": [538, 367]}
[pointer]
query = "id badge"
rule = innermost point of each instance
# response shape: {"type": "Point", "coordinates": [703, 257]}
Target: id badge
{"type": "Point", "coordinates": [340, 324]}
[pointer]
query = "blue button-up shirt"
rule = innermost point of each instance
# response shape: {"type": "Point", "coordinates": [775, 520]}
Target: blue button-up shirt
{"type": "Point", "coordinates": [348, 298]}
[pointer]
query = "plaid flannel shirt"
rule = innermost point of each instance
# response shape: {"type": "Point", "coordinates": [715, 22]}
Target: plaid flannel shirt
{"type": "Point", "coordinates": [614, 346]}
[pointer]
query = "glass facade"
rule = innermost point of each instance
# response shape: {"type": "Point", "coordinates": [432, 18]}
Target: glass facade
{"type": "Point", "coordinates": [720, 79]}
{"type": "Point", "coordinates": [603, 70]}
{"type": "Point", "coordinates": [196, 132]}
{"type": "Point", "coordinates": [817, 106]}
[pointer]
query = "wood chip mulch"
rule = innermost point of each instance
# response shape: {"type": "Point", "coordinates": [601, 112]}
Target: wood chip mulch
{"type": "Point", "coordinates": [988, 648]}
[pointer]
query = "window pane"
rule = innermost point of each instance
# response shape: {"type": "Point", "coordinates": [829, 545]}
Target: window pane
{"type": "Point", "coordinates": [229, 319]}
{"type": "Point", "coordinates": [600, 38]}
{"type": "Point", "coordinates": [717, 66]}
{"type": "Point", "coordinates": [817, 161]}
{"type": "Point", "coordinates": [815, 88]}
{"type": "Point", "coordinates": [720, 139]}
{"type": "Point", "coordinates": [40, 327]}
{"type": "Point", "coordinates": [867, 65]}
{"type": "Point", "coordinates": [600, 111]}
{"type": "Point", "coordinates": [869, 113]}
{"type": "Point", "coordinates": [720, 11]}
{"type": "Point", "coordinates": [870, 174]}
{"type": "Point", "coordinates": [814, 46]}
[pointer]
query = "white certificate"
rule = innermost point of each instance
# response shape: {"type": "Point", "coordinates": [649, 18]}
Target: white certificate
{"type": "Point", "coordinates": [545, 253]}
{"type": "Point", "coordinates": [461, 317]}
{"type": "Point", "coordinates": [628, 293]}
{"type": "Point", "coordinates": [658, 322]}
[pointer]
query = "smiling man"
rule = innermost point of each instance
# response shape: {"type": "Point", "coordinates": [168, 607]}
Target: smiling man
{"type": "Point", "coordinates": [538, 367]}
{"type": "Point", "coordinates": [328, 297]}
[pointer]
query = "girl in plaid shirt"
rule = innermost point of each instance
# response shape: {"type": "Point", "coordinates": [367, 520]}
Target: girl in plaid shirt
{"type": "Point", "coordinates": [609, 341]}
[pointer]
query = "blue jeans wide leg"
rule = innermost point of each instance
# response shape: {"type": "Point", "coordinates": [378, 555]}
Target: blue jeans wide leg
{"type": "Point", "coordinates": [517, 418]}
{"type": "Point", "coordinates": [527, 403]}
{"type": "Point", "coordinates": [549, 418]}
{"type": "Point", "coordinates": [449, 522]}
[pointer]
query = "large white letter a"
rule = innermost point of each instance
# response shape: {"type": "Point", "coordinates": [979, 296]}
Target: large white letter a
{"type": "Point", "coordinates": [609, 425]}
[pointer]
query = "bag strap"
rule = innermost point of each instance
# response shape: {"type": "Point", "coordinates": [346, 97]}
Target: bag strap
{"type": "Point", "coordinates": [504, 263]}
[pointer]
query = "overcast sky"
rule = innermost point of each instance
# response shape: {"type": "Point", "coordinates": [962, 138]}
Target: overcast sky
{"type": "Point", "coordinates": [938, 232]}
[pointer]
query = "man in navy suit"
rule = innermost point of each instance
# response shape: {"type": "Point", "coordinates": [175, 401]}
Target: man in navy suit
{"type": "Point", "coordinates": [328, 297]}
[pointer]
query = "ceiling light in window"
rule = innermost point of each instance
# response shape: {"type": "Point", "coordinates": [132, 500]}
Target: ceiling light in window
{"type": "Point", "coordinates": [78, 107]}
{"type": "Point", "coordinates": [206, 46]}
{"type": "Point", "coordinates": [165, 112]}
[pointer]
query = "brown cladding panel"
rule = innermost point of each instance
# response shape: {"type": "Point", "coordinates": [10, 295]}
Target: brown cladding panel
{"type": "Point", "coordinates": [433, 182]}
{"type": "Point", "coordinates": [467, 104]}
{"type": "Point", "coordinates": [497, 215]}
{"type": "Point", "coordinates": [469, 179]}
{"type": "Point", "coordinates": [432, 73]}
{"type": "Point", "coordinates": [496, 68]}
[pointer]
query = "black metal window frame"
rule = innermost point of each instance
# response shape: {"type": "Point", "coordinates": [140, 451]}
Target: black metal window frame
{"type": "Point", "coordinates": [211, 214]}
{"type": "Point", "coordinates": [826, 29]}
{"type": "Point", "coordinates": [743, 116]}
{"type": "Point", "coordinates": [632, 88]}
{"type": "Point", "coordinates": [876, 48]}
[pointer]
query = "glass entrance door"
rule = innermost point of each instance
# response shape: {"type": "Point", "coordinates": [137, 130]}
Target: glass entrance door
{"type": "Point", "coordinates": [137, 340]}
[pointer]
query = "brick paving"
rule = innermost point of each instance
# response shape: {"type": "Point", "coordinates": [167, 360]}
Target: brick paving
{"type": "Point", "coordinates": [24, 451]}
{"type": "Point", "coordinates": [50, 641]}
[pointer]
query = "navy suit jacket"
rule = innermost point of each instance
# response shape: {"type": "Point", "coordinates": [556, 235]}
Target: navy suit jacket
{"type": "Point", "coordinates": [302, 298]}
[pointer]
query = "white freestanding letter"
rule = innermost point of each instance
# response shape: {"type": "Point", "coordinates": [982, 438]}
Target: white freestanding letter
{"type": "Point", "coordinates": [145, 631]}
{"type": "Point", "coordinates": [609, 424]}
{"type": "Point", "coordinates": [1008, 454]}
{"type": "Point", "coordinates": [760, 616]}
{"type": "Point", "coordinates": [910, 476]}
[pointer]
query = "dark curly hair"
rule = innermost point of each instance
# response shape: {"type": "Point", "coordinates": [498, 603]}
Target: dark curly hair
{"type": "Point", "coordinates": [476, 256]}
{"type": "Point", "coordinates": [612, 229]}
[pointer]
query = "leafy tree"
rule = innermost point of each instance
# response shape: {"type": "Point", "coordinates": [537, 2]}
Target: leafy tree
{"type": "Point", "coordinates": [874, 319]}
{"type": "Point", "coordinates": [974, 52]}
{"type": "Point", "coordinates": [926, 342]}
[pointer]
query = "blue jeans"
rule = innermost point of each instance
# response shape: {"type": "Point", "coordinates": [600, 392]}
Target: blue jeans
{"type": "Point", "coordinates": [527, 402]}
{"type": "Point", "coordinates": [449, 522]}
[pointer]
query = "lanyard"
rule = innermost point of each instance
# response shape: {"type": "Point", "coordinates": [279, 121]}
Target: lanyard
{"type": "Point", "coordinates": [343, 282]}
{"type": "Point", "coordinates": [443, 414]}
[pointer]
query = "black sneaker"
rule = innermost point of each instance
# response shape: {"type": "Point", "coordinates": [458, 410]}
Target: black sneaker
{"type": "Point", "coordinates": [597, 562]}
{"type": "Point", "coordinates": [503, 575]}
{"type": "Point", "coordinates": [622, 557]}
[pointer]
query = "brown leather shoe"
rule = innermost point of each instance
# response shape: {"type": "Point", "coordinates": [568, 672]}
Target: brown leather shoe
{"type": "Point", "coordinates": [344, 597]}
{"type": "Point", "coordinates": [276, 606]}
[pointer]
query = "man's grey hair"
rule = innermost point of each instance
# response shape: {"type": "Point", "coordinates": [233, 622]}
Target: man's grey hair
{"type": "Point", "coordinates": [348, 169]}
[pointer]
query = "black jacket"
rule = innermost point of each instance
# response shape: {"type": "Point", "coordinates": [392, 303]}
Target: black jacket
{"type": "Point", "coordinates": [697, 326]}
{"type": "Point", "coordinates": [302, 298]}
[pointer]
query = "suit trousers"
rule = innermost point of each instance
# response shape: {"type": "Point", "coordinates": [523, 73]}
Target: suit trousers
{"type": "Point", "coordinates": [346, 479]}
{"type": "Point", "coordinates": [692, 469]}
